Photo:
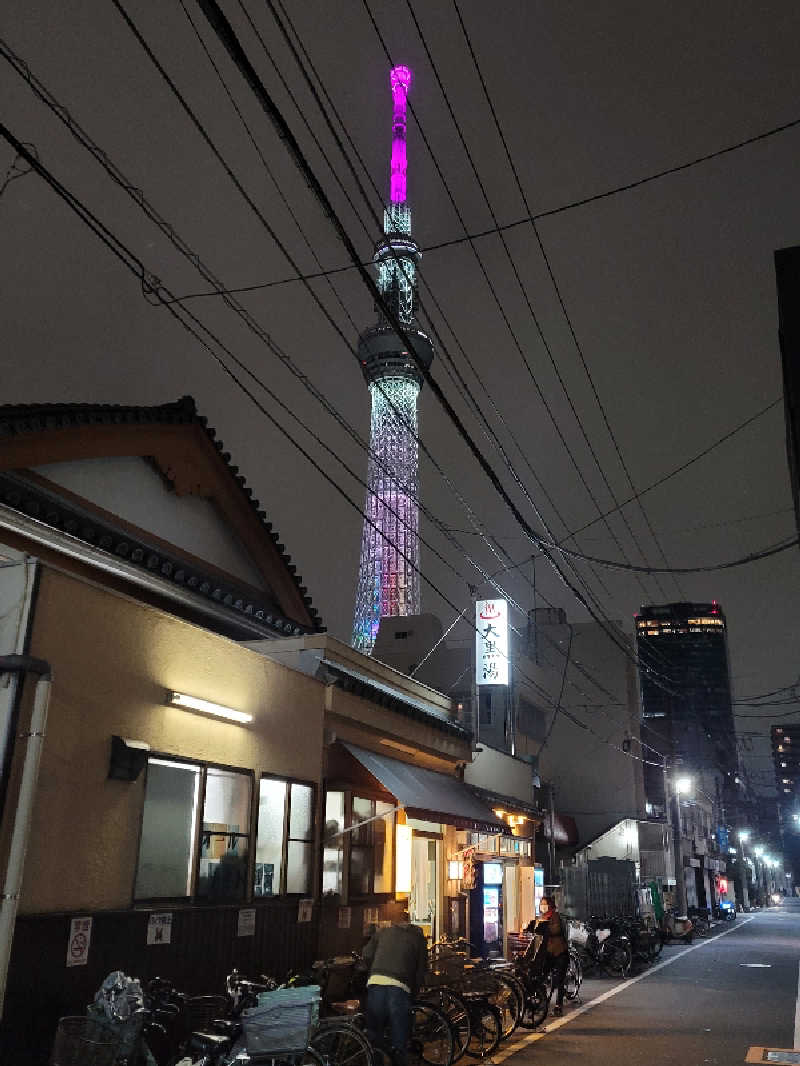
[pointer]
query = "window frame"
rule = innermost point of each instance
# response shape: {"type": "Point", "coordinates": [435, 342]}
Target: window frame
{"type": "Point", "coordinates": [203, 765]}
{"type": "Point", "coordinates": [287, 780]}
{"type": "Point", "coordinates": [374, 796]}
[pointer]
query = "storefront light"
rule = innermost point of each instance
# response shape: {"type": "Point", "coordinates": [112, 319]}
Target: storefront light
{"type": "Point", "coordinates": [455, 870]}
{"type": "Point", "coordinates": [217, 710]}
{"type": "Point", "coordinates": [403, 837]}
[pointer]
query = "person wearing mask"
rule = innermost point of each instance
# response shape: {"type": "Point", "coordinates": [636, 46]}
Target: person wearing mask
{"type": "Point", "coordinates": [550, 927]}
{"type": "Point", "coordinates": [397, 958]}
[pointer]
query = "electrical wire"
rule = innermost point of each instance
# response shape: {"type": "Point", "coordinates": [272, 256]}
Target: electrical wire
{"type": "Point", "coordinates": [487, 280]}
{"type": "Point", "coordinates": [562, 305]}
{"type": "Point", "coordinates": [215, 7]}
{"type": "Point", "coordinates": [512, 263]}
{"type": "Point", "coordinates": [301, 55]}
{"type": "Point", "coordinates": [194, 259]}
{"type": "Point", "coordinates": [193, 326]}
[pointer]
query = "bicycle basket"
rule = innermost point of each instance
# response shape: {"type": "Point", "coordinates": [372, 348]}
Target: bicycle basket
{"type": "Point", "coordinates": [282, 1022]}
{"type": "Point", "coordinates": [83, 1042]}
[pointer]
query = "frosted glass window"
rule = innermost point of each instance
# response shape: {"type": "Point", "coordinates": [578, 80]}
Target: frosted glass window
{"type": "Point", "coordinates": [301, 820]}
{"type": "Point", "coordinates": [269, 842]}
{"type": "Point", "coordinates": [224, 848]}
{"type": "Point", "coordinates": [298, 867]}
{"type": "Point", "coordinates": [168, 824]}
{"type": "Point", "coordinates": [332, 852]}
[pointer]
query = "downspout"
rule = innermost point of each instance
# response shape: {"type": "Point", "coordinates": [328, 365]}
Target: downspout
{"type": "Point", "coordinates": [34, 738]}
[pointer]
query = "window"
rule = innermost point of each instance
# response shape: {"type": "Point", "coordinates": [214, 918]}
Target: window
{"type": "Point", "coordinates": [365, 853]}
{"type": "Point", "coordinates": [177, 861]}
{"type": "Point", "coordinates": [285, 838]}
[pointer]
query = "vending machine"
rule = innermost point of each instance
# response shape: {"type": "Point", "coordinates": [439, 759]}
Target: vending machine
{"type": "Point", "coordinates": [492, 906]}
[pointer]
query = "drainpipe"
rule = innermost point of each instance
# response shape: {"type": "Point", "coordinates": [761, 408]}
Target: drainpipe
{"type": "Point", "coordinates": [22, 664]}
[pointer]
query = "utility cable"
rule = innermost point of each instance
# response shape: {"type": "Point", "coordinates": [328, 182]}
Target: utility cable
{"type": "Point", "coordinates": [301, 55]}
{"type": "Point", "coordinates": [490, 285]}
{"type": "Point", "coordinates": [351, 142]}
{"type": "Point", "coordinates": [194, 259]}
{"type": "Point", "coordinates": [562, 304]}
{"type": "Point", "coordinates": [520, 283]}
{"type": "Point", "coordinates": [156, 287]}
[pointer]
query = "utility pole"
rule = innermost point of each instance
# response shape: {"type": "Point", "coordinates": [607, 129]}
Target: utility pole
{"type": "Point", "coordinates": [673, 806]}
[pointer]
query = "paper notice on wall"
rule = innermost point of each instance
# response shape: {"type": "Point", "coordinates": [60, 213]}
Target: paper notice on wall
{"type": "Point", "coordinates": [370, 917]}
{"type": "Point", "coordinates": [159, 929]}
{"type": "Point", "coordinates": [304, 910]}
{"type": "Point", "coordinates": [344, 917]}
{"type": "Point", "coordinates": [80, 935]}
{"type": "Point", "coordinates": [246, 925]}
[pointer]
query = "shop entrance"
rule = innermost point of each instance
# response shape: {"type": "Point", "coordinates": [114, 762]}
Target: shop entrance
{"type": "Point", "coordinates": [423, 903]}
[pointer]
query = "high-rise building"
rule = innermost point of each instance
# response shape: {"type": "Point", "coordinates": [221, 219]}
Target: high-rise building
{"type": "Point", "coordinates": [786, 756]}
{"type": "Point", "coordinates": [388, 579]}
{"type": "Point", "coordinates": [687, 712]}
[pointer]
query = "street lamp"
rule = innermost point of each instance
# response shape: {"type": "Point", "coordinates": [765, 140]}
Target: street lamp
{"type": "Point", "coordinates": [744, 835]}
{"type": "Point", "coordinates": [758, 852]}
{"type": "Point", "coordinates": [683, 785]}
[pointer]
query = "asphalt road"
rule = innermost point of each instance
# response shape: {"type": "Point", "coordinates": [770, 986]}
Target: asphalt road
{"type": "Point", "coordinates": [706, 1004]}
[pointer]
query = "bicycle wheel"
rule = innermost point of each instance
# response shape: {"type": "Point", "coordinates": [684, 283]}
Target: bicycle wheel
{"type": "Point", "coordinates": [431, 1036]}
{"type": "Point", "coordinates": [574, 978]}
{"type": "Point", "coordinates": [340, 1043]}
{"type": "Point", "coordinates": [487, 1031]}
{"type": "Point", "coordinates": [448, 1001]}
{"type": "Point", "coordinates": [502, 995]}
{"type": "Point", "coordinates": [537, 1003]}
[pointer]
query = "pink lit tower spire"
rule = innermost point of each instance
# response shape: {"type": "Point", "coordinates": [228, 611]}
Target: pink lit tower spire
{"type": "Point", "coordinates": [388, 583]}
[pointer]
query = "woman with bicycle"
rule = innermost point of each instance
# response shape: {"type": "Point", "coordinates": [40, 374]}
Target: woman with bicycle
{"type": "Point", "coordinates": [550, 927]}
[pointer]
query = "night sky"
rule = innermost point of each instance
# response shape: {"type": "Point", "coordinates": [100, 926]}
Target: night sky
{"type": "Point", "coordinates": [670, 286]}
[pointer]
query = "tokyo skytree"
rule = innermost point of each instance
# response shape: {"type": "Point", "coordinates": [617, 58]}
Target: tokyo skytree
{"type": "Point", "coordinates": [388, 583]}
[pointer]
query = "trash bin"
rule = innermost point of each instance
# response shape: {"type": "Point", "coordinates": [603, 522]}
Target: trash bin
{"type": "Point", "coordinates": [83, 1042]}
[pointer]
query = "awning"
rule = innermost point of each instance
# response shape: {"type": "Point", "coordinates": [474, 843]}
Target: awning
{"type": "Point", "coordinates": [430, 796]}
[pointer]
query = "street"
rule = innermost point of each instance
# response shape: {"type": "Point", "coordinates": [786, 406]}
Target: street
{"type": "Point", "coordinates": [708, 1003]}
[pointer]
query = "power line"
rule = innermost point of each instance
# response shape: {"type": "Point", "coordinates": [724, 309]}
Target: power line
{"type": "Point", "coordinates": [282, 19]}
{"type": "Point", "coordinates": [147, 279]}
{"type": "Point", "coordinates": [226, 34]}
{"type": "Point", "coordinates": [193, 258]}
{"type": "Point", "coordinates": [490, 285]}
{"type": "Point", "coordinates": [556, 287]}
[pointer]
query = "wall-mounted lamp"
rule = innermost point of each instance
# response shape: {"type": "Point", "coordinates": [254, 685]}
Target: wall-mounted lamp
{"type": "Point", "coordinates": [455, 870]}
{"type": "Point", "coordinates": [194, 703]}
{"type": "Point", "coordinates": [128, 758]}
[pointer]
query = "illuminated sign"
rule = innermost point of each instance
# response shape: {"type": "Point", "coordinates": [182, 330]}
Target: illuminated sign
{"type": "Point", "coordinates": [491, 642]}
{"type": "Point", "coordinates": [402, 870]}
{"type": "Point", "coordinates": [723, 884]}
{"type": "Point", "coordinates": [493, 873]}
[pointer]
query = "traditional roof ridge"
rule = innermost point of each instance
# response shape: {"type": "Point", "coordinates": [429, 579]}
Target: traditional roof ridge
{"type": "Point", "coordinates": [17, 420]}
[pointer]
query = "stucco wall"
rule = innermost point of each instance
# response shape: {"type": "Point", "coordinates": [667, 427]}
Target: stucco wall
{"type": "Point", "coordinates": [127, 486]}
{"type": "Point", "coordinates": [113, 660]}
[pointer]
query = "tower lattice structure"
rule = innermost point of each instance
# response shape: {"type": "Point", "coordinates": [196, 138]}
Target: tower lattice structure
{"type": "Point", "coordinates": [388, 578]}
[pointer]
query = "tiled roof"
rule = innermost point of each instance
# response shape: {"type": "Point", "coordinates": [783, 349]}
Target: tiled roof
{"type": "Point", "coordinates": [17, 420]}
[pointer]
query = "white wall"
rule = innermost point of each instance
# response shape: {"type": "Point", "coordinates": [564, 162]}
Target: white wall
{"type": "Point", "coordinates": [498, 772]}
{"type": "Point", "coordinates": [130, 488]}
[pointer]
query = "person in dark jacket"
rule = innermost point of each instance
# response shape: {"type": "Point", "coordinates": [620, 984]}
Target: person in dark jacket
{"type": "Point", "coordinates": [551, 928]}
{"type": "Point", "coordinates": [397, 957]}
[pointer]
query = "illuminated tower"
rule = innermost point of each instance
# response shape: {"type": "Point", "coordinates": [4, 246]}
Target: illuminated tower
{"type": "Point", "coordinates": [388, 583]}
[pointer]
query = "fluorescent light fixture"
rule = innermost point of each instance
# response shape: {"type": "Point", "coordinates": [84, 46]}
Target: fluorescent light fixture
{"type": "Point", "coordinates": [403, 835]}
{"type": "Point", "coordinates": [194, 703]}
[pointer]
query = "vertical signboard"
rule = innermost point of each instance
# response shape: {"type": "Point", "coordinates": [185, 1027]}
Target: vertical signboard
{"type": "Point", "coordinates": [491, 642]}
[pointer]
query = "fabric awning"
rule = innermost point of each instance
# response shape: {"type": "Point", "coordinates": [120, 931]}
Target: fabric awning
{"type": "Point", "coordinates": [428, 795]}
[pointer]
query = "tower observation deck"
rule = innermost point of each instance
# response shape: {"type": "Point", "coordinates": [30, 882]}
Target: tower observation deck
{"type": "Point", "coordinates": [388, 583]}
